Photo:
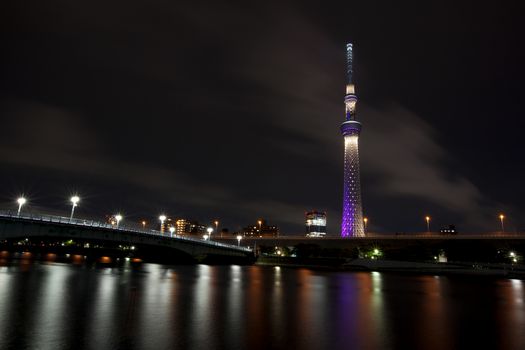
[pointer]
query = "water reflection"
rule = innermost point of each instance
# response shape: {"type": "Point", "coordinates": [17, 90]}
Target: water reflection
{"type": "Point", "coordinates": [58, 306]}
{"type": "Point", "coordinates": [50, 304]}
{"type": "Point", "coordinates": [511, 314]}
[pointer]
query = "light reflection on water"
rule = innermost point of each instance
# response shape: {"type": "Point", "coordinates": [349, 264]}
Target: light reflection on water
{"type": "Point", "coordinates": [58, 306]}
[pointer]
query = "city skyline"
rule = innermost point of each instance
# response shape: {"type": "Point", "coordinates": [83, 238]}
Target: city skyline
{"type": "Point", "coordinates": [241, 124]}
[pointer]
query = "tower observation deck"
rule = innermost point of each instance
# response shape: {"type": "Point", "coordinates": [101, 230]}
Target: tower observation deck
{"type": "Point", "coordinates": [352, 222]}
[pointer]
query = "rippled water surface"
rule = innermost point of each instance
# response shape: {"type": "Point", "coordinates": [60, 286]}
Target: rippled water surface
{"type": "Point", "coordinates": [60, 306]}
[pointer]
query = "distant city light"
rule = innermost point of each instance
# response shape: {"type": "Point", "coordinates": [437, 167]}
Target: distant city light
{"type": "Point", "coordinates": [172, 230]}
{"type": "Point", "coordinates": [239, 237]}
{"type": "Point", "coordinates": [501, 217]}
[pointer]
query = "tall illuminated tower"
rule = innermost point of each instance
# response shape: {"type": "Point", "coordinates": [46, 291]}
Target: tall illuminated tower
{"type": "Point", "coordinates": [352, 223]}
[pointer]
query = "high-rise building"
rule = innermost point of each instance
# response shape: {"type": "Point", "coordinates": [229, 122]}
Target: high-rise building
{"type": "Point", "coordinates": [182, 226]}
{"type": "Point", "coordinates": [352, 222]}
{"type": "Point", "coordinates": [315, 224]}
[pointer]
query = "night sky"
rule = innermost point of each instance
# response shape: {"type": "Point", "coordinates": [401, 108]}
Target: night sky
{"type": "Point", "coordinates": [209, 110]}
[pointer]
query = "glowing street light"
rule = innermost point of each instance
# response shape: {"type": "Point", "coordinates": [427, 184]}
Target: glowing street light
{"type": "Point", "coordinates": [216, 222]}
{"type": "Point", "coordinates": [143, 224]}
{"type": "Point", "coordinates": [21, 201]}
{"type": "Point", "coordinates": [365, 221]}
{"type": "Point", "coordinates": [162, 218]}
{"type": "Point", "coordinates": [118, 217]}
{"type": "Point", "coordinates": [172, 230]}
{"type": "Point", "coordinates": [205, 237]}
{"type": "Point", "coordinates": [501, 217]}
{"type": "Point", "coordinates": [260, 225]}
{"type": "Point", "coordinates": [74, 201]}
{"type": "Point", "coordinates": [427, 219]}
{"type": "Point", "coordinates": [239, 237]}
{"type": "Point", "coordinates": [209, 230]}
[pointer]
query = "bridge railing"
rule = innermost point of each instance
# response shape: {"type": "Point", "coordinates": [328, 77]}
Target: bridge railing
{"type": "Point", "coordinates": [123, 228]}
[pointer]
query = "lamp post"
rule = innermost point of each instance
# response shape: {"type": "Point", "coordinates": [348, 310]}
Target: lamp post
{"type": "Point", "coordinates": [260, 226]}
{"type": "Point", "coordinates": [216, 222]}
{"type": "Point", "coordinates": [209, 230]}
{"type": "Point", "coordinates": [501, 217]}
{"type": "Point", "coordinates": [172, 229]}
{"type": "Point", "coordinates": [21, 201]}
{"type": "Point", "coordinates": [427, 219]}
{"type": "Point", "coordinates": [205, 237]}
{"type": "Point", "coordinates": [365, 221]}
{"type": "Point", "coordinates": [162, 218]}
{"type": "Point", "coordinates": [118, 217]}
{"type": "Point", "coordinates": [143, 224]}
{"type": "Point", "coordinates": [239, 237]}
{"type": "Point", "coordinates": [74, 201]}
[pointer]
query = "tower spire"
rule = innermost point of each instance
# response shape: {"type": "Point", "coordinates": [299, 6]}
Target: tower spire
{"type": "Point", "coordinates": [349, 63]}
{"type": "Point", "coordinates": [352, 221]}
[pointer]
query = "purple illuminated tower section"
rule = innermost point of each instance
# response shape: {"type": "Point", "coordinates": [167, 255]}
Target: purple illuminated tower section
{"type": "Point", "coordinates": [352, 223]}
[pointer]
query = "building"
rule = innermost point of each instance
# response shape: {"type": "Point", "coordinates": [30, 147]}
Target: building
{"type": "Point", "coordinates": [182, 226]}
{"type": "Point", "coordinates": [450, 229]}
{"type": "Point", "coordinates": [260, 229]}
{"type": "Point", "coordinates": [352, 221]}
{"type": "Point", "coordinates": [315, 224]}
{"type": "Point", "coordinates": [195, 228]}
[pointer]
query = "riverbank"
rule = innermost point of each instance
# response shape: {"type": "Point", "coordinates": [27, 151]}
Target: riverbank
{"type": "Point", "coordinates": [449, 268]}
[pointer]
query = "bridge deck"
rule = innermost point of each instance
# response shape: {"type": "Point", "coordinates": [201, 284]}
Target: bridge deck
{"type": "Point", "coordinates": [14, 226]}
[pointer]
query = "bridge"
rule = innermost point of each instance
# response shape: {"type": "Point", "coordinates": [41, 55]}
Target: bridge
{"type": "Point", "coordinates": [55, 233]}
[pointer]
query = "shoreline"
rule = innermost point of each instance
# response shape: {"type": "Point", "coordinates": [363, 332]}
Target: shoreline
{"type": "Point", "coordinates": [398, 266]}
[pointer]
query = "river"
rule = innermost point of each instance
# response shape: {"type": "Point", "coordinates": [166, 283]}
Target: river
{"type": "Point", "coordinates": [62, 306]}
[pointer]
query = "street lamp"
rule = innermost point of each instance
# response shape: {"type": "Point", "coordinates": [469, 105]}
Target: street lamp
{"type": "Point", "coordinates": [172, 229]}
{"type": "Point", "coordinates": [239, 237]}
{"type": "Point", "coordinates": [74, 200]}
{"type": "Point", "coordinates": [21, 201]}
{"type": "Point", "coordinates": [143, 224]}
{"type": "Point", "coordinates": [260, 226]}
{"type": "Point", "coordinates": [501, 217]}
{"type": "Point", "coordinates": [427, 219]}
{"type": "Point", "coordinates": [209, 230]}
{"type": "Point", "coordinates": [118, 217]}
{"type": "Point", "coordinates": [205, 237]}
{"type": "Point", "coordinates": [365, 220]}
{"type": "Point", "coordinates": [162, 218]}
{"type": "Point", "coordinates": [216, 222]}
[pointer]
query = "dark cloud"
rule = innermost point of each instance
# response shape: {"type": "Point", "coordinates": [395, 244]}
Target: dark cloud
{"type": "Point", "coordinates": [227, 110]}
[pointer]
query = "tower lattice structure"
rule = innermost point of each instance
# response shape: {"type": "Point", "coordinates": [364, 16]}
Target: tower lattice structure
{"type": "Point", "coordinates": [352, 221]}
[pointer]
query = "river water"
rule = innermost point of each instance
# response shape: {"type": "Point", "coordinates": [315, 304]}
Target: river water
{"type": "Point", "coordinates": [61, 306]}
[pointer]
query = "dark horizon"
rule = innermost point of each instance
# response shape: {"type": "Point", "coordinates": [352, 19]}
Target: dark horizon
{"type": "Point", "coordinates": [232, 112]}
